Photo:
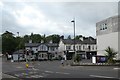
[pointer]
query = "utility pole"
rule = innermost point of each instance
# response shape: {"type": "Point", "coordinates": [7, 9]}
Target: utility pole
{"type": "Point", "coordinates": [18, 49]}
{"type": "Point", "coordinates": [73, 21]}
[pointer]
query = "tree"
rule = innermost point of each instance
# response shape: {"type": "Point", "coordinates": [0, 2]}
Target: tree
{"type": "Point", "coordinates": [55, 38]}
{"type": "Point", "coordinates": [78, 37]}
{"type": "Point", "coordinates": [110, 53]}
{"type": "Point", "coordinates": [77, 58]}
{"type": "Point", "coordinates": [69, 37]}
{"type": "Point", "coordinates": [8, 42]}
{"type": "Point", "coordinates": [36, 38]}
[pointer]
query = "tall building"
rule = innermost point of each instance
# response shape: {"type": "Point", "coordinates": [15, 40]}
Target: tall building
{"type": "Point", "coordinates": [108, 34]}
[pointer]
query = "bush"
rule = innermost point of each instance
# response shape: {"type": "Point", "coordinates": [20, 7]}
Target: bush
{"type": "Point", "coordinates": [77, 58]}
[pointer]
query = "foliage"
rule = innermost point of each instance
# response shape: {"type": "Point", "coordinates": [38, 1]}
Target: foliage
{"type": "Point", "coordinates": [77, 58]}
{"type": "Point", "coordinates": [110, 54]}
{"type": "Point", "coordinates": [69, 37]}
{"type": "Point", "coordinates": [78, 37]}
{"type": "Point", "coordinates": [8, 42]}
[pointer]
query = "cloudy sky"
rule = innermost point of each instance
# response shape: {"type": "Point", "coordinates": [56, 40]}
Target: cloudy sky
{"type": "Point", "coordinates": [54, 17]}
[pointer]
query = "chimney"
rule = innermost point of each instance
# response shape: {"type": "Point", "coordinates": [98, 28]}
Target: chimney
{"type": "Point", "coordinates": [81, 38]}
{"type": "Point", "coordinates": [30, 41]}
{"type": "Point", "coordinates": [62, 37]}
{"type": "Point", "coordinates": [42, 41]}
{"type": "Point", "coordinates": [50, 41]}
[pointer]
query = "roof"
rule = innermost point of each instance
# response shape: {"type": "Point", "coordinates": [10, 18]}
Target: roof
{"type": "Point", "coordinates": [38, 44]}
{"type": "Point", "coordinates": [71, 41]}
{"type": "Point", "coordinates": [21, 51]}
{"type": "Point", "coordinates": [52, 45]}
{"type": "Point", "coordinates": [89, 41]}
{"type": "Point", "coordinates": [85, 41]}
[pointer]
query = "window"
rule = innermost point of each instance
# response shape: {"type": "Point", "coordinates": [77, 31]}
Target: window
{"type": "Point", "coordinates": [42, 55]}
{"type": "Point", "coordinates": [79, 47]}
{"type": "Point", "coordinates": [83, 47]}
{"type": "Point", "coordinates": [103, 26]}
{"type": "Point", "coordinates": [36, 49]}
{"type": "Point", "coordinates": [93, 47]}
{"type": "Point", "coordinates": [89, 47]}
{"type": "Point", "coordinates": [42, 47]}
{"type": "Point", "coordinates": [68, 47]}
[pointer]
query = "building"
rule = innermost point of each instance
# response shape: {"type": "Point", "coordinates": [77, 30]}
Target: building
{"type": "Point", "coordinates": [86, 47]}
{"type": "Point", "coordinates": [43, 51]}
{"type": "Point", "coordinates": [108, 34]}
{"type": "Point", "coordinates": [18, 55]}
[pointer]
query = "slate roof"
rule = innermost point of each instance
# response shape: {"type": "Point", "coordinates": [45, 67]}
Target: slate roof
{"type": "Point", "coordinates": [38, 44]}
{"type": "Point", "coordinates": [89, 41]}
{"type": "Point", "coordinates": [71, 41]}
{"type": "Point", "coordinates": [52, 45]}
{"type": "Point", "coordinates": [32, 44]}
{"type": "Point", "coordinates": [85, 41]}
{"type": "Point", "coordinates": [21, 51]}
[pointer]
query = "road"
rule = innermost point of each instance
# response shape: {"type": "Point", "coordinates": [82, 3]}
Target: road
{"type": "Point", "coordinates": [53, 69]}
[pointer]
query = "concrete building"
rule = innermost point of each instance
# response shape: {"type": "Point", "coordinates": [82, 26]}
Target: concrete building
{"type": "Point", "coordinates": [86, 47]}
{"type": "Point", "coordinates": [108, 34]}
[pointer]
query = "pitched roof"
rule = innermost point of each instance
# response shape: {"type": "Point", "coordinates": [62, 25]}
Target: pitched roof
{"type": "Point", "coordinates": [32, 44]}
{"type": "Point", "coordinates": [38, 44]}
{"type": "Point", "coordinates": [89, 41]}
{"type": "Point", "coordinates": [85, 41]}
{"type": "Point", "coordinates": [52, 45]}
{"type": "Point", "coordinates": [21, 51]}
{"type": "Point", "coordinates": [71, 41]}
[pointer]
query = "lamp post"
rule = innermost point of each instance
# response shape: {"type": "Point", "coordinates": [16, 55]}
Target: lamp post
{"type": "Point", "coordinates": [18, 48]}
{"type": "Point", "coordinates": [73, 21]}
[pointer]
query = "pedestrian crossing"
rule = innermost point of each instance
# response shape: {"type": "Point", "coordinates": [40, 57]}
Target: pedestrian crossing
{"type": "Point", "coordinates": [34, 73]}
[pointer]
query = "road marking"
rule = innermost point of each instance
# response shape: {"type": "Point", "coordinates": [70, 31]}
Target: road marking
{"type": "Point", "coordinates": [19, 67]}
{"type": "Point", "coordinates": [116, 68]}
{"type": "Point", "coordinates": [35, 69]}
{"type": "Point", "coordinates": [101, 76]}
{"type": "Point", "coordinates": [62, 73]}
{"type": "Point", "coordinates": [36, 76]}
{"type": "Point", "coordinates": [49, 71]}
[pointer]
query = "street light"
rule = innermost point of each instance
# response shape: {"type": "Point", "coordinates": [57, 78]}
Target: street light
{"type": "Point", "coordinates": [18, 48]}
{"type": "Point", "coordinates": [73, 21]}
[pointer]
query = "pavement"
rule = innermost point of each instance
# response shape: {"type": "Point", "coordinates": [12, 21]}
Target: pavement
{"type": "Point", "coordinates": [54, 69]}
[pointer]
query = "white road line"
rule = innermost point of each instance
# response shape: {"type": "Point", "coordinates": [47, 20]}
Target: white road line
{"type": "Point", "coordinates": [19, 67]}
{"type": "Point", "coordinates": [35, 69]}
{"type": "Point", "coordinates": [62, 73]}
{"type": "Point", "coordinates": [116, 68]}
{"type": "Point", "coordinates": [100, 76]}
{"type": "Point", "coordinates": [36, 76]}
{"type": "Point", "coordinates": [49, 71]}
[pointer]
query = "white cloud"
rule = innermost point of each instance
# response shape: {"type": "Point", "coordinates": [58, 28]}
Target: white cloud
{"type": "Point", "coordinates": [51, 18]}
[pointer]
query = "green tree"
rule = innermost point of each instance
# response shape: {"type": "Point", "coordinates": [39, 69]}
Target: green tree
{"type": "Point", "coordinates": [69, 37]}
{"type": "Point", "coordinates": [78, 37]}
{"type": "Point", "coordinates": [77, 58]}
{"type": "Point", "coordinates": [36, 38]}
{"type": "Point", "coordinates": [110, 53]}
{"type": "Point", "coordinates": [55, 38]}
{"type": "Point", "coordinates": [8, 42]}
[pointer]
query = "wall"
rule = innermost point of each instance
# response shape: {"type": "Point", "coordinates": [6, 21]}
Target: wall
{"type": "Point", "coordinates": [103, 41]}
{"type": "Point", "coordinates": [61, 46]}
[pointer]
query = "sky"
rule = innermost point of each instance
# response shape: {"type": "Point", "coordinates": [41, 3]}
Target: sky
{"type": "Point", "coordinates": [54, 17]}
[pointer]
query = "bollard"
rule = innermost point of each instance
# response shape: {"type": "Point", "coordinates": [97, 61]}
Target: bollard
{"type": "Point", "coordinates": [27, 65]}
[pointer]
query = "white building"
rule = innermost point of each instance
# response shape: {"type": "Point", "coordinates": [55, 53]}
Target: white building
{"type": "Point", "coordinates": [84, 46]}
{"type": "Point", "coordinates": [108, 34]}
{"type": "Point", "coordinates": [43, 51]}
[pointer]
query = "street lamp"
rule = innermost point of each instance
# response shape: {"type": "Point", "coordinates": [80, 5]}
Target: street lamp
{"type": "Point", "coordinates": [73, 21]}
{"type": "Point", "coordinates": [18, 48]}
